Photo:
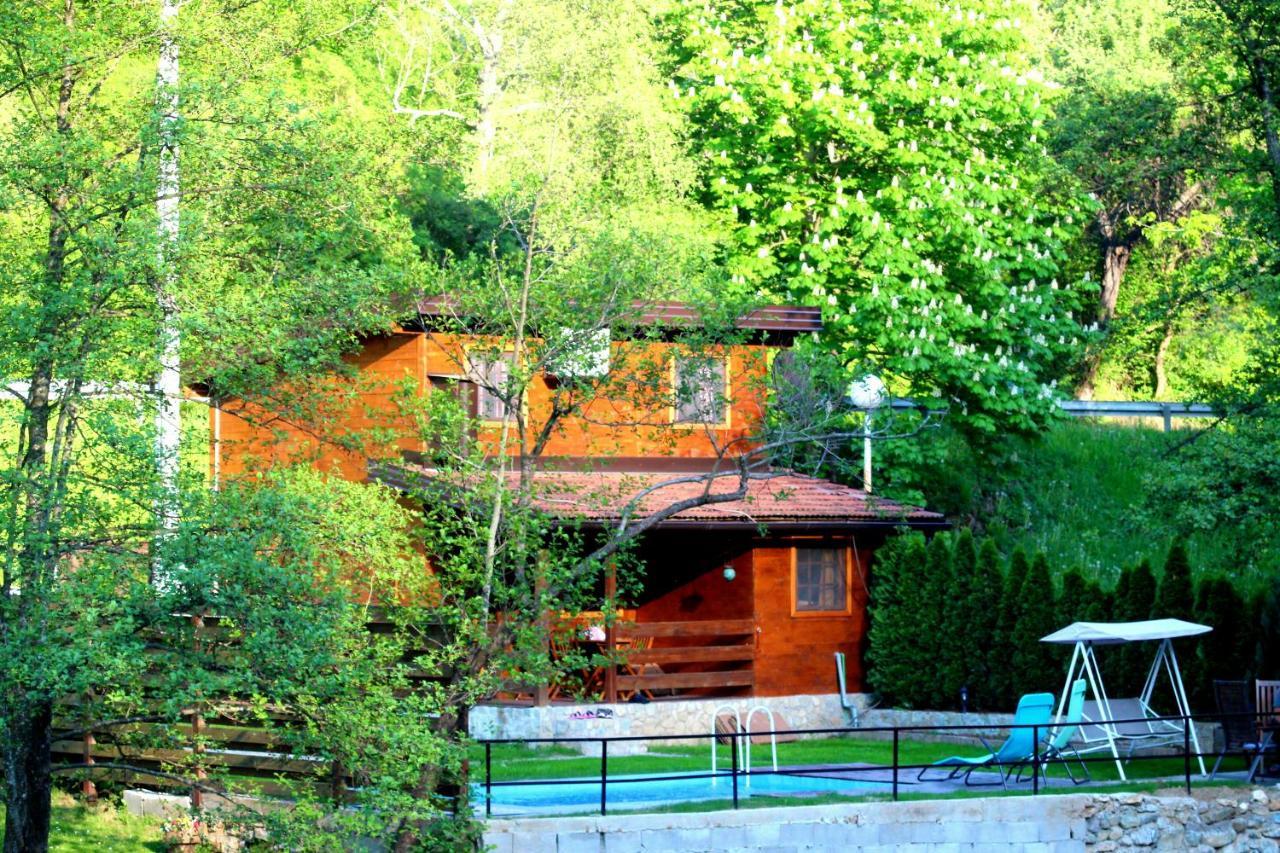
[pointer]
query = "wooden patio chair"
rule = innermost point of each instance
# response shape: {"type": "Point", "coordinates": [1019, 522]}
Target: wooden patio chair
{"type": "Point", "coordinates": [626, 645]}
{"type": "Point", "coordinates": [1267, 703]}
{"type": "Point", "coordinates": [1239, 729]}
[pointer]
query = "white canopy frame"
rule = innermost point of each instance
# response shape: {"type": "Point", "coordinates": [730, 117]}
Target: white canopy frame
{"type": "Point", "coordinates": [1084, 663]}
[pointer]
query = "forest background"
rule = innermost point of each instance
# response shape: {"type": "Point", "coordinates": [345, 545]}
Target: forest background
{"type": "Point", "coordinates": [996, 203]}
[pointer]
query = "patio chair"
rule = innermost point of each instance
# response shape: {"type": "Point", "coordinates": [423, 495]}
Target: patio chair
{"type": "Point", "coordinates": [1057, 746]}
{"type": "Point", "coordinates": [1239, 725]}
{"type": "Point", "coordinates": [1268, 707]}
{"type": "Point", "coordinates": [1034, 709]}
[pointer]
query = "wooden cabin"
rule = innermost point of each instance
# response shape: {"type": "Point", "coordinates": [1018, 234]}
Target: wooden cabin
{"type": "Point", "coordinates": [743, 597]}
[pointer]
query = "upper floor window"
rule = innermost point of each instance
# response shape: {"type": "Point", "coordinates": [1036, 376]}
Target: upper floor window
{"type": "Point", "coordinates": [491, 375]}
{"type": "Point", "coordinates": [821, 580]}
{"type": "Point", "coordinates": [700, 390]}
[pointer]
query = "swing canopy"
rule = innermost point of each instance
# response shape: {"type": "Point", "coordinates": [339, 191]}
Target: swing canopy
{"type": "Point", "coordinates": [1114, 633]}
{"type": "Point", "coordinates": [1107, 722]}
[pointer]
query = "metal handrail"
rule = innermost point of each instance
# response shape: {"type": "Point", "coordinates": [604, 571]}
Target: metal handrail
{"type": "Point", "coordinates": [1038, 761]}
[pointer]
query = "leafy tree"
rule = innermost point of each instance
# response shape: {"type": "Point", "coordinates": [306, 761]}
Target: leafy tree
{"type": "Point", "coordinates": [1138, 141]}
{"type": "Point", "coordinates": [275, 211]}
{"type": "Point", "coordinates": [888, 162]}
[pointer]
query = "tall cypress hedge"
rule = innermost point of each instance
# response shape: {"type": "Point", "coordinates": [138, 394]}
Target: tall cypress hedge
{"type": "Point", "coordinates": [938, 693]}
{"type": "Point", "coordinates": [944, 614]}
{"type": "Point", "coordinates": [1035, 663]}
{"type": "Point", "coordinates": [1008, 610]}
{"type": "Point", "coordinates": [1175, 599]}
{"type": "Point", "coordinates": [957, 637]}
{"type": "Point", "coordinates": [985, 656]}
{"type": "Point", "coordinates": [893, 642]}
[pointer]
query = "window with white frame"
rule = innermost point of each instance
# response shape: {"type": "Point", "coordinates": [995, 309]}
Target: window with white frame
{"type": "Point", "coordinates": [491, 375]}
{"type": "Point", "coordinates": [700, 390]}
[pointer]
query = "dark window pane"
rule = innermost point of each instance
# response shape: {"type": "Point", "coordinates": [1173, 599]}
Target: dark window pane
{"type": "Point", "coordinates": [820, 579]}
{"type": "Point", "coordinates": [491, 377]}
{"type": "Point", "coordinates": [700, 391]}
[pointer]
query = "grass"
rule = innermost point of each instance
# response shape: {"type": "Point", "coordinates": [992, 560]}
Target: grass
{"type": "Point", "coordinates": [103, 828]}
{"type": "Point", "coordinates": [512, 762]}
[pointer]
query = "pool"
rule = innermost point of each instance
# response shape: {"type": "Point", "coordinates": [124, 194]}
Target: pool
{"type": "Point", "coordinates": [635, 791]}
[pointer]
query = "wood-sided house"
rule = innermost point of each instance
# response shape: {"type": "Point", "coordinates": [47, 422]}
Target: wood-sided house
{"type": "Point", "coordinates": [745, 597]}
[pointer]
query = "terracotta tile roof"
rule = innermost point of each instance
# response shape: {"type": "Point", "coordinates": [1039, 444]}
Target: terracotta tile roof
{"type": "Point", "coordinates": [779, 497]}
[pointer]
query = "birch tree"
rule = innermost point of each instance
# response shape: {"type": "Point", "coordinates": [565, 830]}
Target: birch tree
{"type": "Point", "coordinates": [90, 254]}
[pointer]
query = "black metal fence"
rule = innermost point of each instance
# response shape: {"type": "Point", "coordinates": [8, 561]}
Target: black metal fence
{"type": "Point", "coordinates": [1036, 761]}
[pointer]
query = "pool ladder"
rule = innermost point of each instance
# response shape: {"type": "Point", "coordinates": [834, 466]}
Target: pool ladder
{"type": "Point", "coordinates": [743, 744]}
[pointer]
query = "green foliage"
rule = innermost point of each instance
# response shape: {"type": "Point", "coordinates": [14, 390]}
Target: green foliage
{"type": "Point", "coordinates": [1036, 665]}
{"type": "Point", "coordinates": [1175, 598]}
{"type": "Point", "coordinates": [1009, 608]}
{"type": "Point", "coordinates": [893, 637]}
{"type": "Point", "coordinates": [1224, 653]}
{"type": "Point", "coordinates": [887, 162]}
{"type": "Point", "coordinates": [935, 605]}
{"type": "Point", "coordinates": [983, 631]}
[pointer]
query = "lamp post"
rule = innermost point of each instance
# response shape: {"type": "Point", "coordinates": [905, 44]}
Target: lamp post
{"type": "Point", "coordinates": [868, 394]}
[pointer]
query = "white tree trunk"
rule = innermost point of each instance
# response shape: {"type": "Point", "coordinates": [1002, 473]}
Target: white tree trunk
{"type": "Point", "coordinates": [168, 376]}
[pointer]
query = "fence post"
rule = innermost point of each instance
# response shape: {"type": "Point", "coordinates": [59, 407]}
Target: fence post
{"type": "Point", "coordinates": [733, 754]}
{"type": "Point", "coordinates": [87, 787]}
{"type": "Point", "coordinates": [604, 775]}
{"type": "Point", "coordinates": [1035, 760]}
{"type": "Point", "coordinates": [1186, 749]}
{"type": "Point", "coordinates": [895, 764]}
{"type": "Point", "coordinates": [198, 726]}
{"type": "Point", "coordinates": [488, 779]}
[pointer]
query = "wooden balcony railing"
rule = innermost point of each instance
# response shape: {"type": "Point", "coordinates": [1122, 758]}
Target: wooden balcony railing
{"type": "Point", "coordinates": [671, 658]}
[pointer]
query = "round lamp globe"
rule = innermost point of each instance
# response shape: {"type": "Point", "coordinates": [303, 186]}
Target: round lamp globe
{"type": "Point", "coordinates": [869, 392]}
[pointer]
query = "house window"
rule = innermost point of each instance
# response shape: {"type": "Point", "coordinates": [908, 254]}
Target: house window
{"type": "Point", "coordinates": [452, 435]}
{"type": "Point", "coordinates": [700, 390]}
{"type": "Point", "coordinates": [821, 580]}
{"type": "Point", "coordinates": [491, 376]}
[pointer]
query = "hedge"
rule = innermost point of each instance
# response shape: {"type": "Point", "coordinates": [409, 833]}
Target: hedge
{"type": "Point", "coordinates": [950, 613]}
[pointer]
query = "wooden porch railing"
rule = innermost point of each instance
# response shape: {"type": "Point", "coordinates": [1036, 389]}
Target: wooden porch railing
{"type": "Point", "coordinates": [720, 656]}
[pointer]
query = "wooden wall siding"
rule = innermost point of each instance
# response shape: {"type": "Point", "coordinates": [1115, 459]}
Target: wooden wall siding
{"type": "Point", "coordinates": [795, 654]}
{"type": "Point", "coordinates": [612, 427]}
{"type": "Point", "coordinates": [384, 365]}
{"type": "Point", "coordinates": [623, 421]}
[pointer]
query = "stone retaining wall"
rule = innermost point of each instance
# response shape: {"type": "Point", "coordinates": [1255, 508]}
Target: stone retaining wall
{"type": "Point", "coordinates": [1070, 823]}
{"type": "Point", "coordinates": [652, 719]}
{"type": "Point", "coordinates": [1247, 821]}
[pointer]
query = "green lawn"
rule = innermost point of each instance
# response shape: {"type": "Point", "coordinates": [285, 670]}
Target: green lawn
{"type": "Point", "coordinates": [514, 762]}
{"type": "Point", "coordinates": [103, 828]}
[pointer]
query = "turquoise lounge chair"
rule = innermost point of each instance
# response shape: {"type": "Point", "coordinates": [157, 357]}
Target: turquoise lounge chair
{"type": "Point", "coordinates": [1057, 745]}
{"type": "Point", "coordinates": [1034, 709]}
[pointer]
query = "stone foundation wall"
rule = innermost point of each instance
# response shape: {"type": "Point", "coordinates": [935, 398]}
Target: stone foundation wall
{"type": "Point", "coordinates": [653, 719]}
{"type": "Point", "coordinates": [1248, 821]}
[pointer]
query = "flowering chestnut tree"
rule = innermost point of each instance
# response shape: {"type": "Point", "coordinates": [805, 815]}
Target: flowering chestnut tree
{"type": "Point", "coordinates": [886, 161]}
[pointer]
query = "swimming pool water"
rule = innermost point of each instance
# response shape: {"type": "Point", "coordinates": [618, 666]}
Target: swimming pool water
{"type": "Point", "coordinates": [654, 788]}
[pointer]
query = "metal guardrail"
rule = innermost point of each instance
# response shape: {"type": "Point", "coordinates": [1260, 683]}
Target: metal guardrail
{"type": "Point", "coordinates": [1038, 761]}
{"type": "Point", "coordinates": [1097, 409]}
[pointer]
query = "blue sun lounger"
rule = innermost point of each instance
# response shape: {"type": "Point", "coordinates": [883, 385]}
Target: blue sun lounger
{"type": "Point", "coordinates": [1034, 709]}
